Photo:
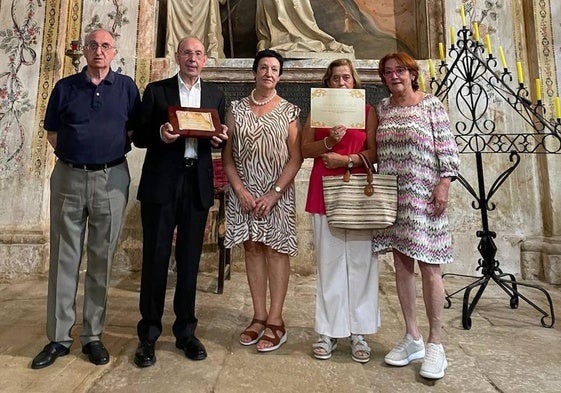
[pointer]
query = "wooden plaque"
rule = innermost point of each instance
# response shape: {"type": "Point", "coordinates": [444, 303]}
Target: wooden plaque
{"type": "Point", "coordinates": [194, 122]}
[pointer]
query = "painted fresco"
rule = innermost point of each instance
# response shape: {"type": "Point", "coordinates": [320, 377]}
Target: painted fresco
{"type": "Point", "coordinates": [120, 17]}
{"type": "Point", "coordinates": [373, 28]}
{"type": "Point", "coordinates": [20, 45]}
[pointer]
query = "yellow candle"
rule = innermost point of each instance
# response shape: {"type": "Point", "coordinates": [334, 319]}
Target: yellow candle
{"type": "Point", "coordinates": [519, 72]}
{"type": "Point", "coordinates": [488, 44]}
{"type": "Point", "coordinates": [502, 57]}
{"type": "Point", "coordinates": [431, 69]}
{"type": "Point", "coordinates": [463, 15]}
{"type": "Point", "coordinates": [422, 82]}
{"type": "Point", "coordinates": [452, 35]}
{"type": "Point", "coordinates": [475, 31]}
{"type": "Point", "coordinates": [538, 89]}
{"type": "Point", "coordinates": [557, 107]}
{"type": "Point", "coordinates": [441, 51]}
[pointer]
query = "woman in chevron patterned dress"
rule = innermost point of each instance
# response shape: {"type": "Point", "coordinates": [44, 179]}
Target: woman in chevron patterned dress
{"type": "Point", "coordinates": [415, 143]}
{"type": "Point", "coordinates": [261, 159]}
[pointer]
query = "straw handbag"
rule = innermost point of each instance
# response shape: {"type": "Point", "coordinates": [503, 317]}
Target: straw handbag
{"type": "Point", "coordinates": [361, 201]}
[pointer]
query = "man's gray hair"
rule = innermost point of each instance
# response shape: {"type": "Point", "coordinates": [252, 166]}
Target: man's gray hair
{"type": "Point", "coordinates": [89, 35]}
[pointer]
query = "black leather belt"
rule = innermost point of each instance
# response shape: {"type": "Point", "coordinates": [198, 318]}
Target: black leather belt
{"type": "Point", "coordinates": [189, 162]}
{"type": "Point", "coordinates": [95, 167]}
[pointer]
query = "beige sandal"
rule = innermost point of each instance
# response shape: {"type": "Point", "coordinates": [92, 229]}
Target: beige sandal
{"type": "Point", "coordinates": [324, 347]}
{"type": "Point", "coordinates": [360, 351]}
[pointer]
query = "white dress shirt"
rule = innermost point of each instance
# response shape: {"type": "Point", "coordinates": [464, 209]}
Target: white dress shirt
{"type": "Point", "coordinates": [190, 98]}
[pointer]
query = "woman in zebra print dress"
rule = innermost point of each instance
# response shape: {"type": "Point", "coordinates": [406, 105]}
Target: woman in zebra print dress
{"type": "Point", "coordinates": [261, 159]}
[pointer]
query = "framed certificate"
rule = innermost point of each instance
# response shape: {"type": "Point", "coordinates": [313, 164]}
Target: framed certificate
{"type": "Point", "coordinates": [194, 122]}
{"type": "Point", "coordinates": [331, 107]}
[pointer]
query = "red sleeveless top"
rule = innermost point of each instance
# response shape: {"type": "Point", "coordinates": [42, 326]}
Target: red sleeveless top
{"type": "Point", "coordinates": [353, 142]}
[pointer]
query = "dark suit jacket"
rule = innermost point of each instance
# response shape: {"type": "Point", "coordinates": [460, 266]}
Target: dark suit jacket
{"type": "Point", "coordinates": [163, 162]}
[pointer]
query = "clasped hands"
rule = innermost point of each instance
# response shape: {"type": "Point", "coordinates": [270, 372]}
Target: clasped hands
{"type": "Point", "coordinates": [260, 207]}
{"type": "Point", "coordinates": [168, 136]}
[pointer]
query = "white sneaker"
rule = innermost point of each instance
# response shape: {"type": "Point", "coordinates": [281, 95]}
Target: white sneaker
{"type": "Point", "coordinates": [406, 351]}
{"type": "Point", "coordinates": [434, 362]}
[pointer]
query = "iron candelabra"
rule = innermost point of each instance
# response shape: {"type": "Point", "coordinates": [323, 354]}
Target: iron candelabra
{"type": "Point", "coordinates": [468, 83]}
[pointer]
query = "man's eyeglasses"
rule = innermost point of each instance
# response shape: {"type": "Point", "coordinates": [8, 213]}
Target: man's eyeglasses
{"type": "Point", "coordinates": [398, 71]}
{"type": "Point", "coordinates": [189, 53]}
{"type": "Point", "coordinates": [94, 45]}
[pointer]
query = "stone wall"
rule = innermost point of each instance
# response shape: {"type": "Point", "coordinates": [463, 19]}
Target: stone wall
{"type": "Point", "coordinates": [526, 217]}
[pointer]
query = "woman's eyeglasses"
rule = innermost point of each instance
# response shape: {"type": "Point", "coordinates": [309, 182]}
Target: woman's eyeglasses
{"type": "Point", "coordinates": [398, 71]}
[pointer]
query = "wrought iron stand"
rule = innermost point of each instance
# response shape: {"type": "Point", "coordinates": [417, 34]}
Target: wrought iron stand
{"type": "Point", "coordinates": [488, 265]}
{"type": "Point", "coordinates": [472, 78]}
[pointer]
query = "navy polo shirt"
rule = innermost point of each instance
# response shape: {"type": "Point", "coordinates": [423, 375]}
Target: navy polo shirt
{"type": "Point", "coordinates": [92, 121]}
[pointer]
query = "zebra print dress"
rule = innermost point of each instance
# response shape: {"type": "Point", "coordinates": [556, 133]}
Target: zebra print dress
{"type": "Point", "coordinates": [260, 152]}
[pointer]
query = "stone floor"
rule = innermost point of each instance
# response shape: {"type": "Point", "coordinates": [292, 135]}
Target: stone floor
{"type": "Point", "coordinates": [506, 350]}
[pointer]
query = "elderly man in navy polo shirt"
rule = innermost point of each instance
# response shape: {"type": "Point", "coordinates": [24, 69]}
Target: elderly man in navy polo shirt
{"type": "Point", "coordinates": [88, 120]}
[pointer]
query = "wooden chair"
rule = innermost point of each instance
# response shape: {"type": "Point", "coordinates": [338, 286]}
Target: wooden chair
{"type": "Point", "coordinates": [221, 189]}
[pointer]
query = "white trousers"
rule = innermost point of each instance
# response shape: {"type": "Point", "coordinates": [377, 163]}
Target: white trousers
{"type": "Point", "coordinates": [347, 281]}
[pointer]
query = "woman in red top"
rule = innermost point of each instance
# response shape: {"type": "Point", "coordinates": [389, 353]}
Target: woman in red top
{"type": "Point", "coordinates": [347, 271]}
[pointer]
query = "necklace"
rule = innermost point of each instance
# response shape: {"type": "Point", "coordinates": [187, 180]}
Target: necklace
{"type": "Point", "coordinates": [265, 102]}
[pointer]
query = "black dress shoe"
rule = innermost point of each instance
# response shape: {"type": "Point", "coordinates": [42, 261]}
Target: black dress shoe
{"type": "Point", "coordinates": [193, 348]}
{"type": "Point", "coordinates": [145, 355]}
{"type": "Point", "coordinates": [97, 354]}
{"type": "Point", "coordinates": [48, 355]}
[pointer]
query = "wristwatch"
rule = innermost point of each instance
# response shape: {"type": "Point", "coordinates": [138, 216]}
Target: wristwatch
{"type": "Point", "coordinates": [350, 164]}
{"type": "Point", "coordinates": [277, 189]}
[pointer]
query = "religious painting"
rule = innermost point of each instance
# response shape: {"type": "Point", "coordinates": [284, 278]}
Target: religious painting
{"type": "Point", "coordinates": [372, 27]}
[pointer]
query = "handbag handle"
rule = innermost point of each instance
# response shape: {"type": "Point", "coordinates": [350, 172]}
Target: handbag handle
{"type": "Point", "coordinates": [368, 188]}
{"type": "Point", "coordinates": [367, 164]}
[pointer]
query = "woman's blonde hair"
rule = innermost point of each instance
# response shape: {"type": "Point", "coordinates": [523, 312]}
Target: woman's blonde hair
{"type": "Point", "coordinates": [338, 63]}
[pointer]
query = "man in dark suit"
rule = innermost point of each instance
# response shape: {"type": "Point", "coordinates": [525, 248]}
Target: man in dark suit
{"type": "Point", "coordinates": [175, 191]}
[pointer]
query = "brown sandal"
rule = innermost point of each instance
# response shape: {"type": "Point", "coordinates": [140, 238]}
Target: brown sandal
{"type": "Point", "coordinates": [253, 335]}
{"type": "Point", "coordinates": [277, 340]}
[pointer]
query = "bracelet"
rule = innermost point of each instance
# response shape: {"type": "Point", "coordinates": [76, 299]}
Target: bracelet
{"type": "Point", "coordinates": [325, 144]}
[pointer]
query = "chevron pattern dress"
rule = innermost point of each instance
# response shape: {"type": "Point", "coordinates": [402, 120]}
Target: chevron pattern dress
{"type": "Point", "coordinates": [260, 152]}
{"type": "Point", "coordinates": [416, 144]}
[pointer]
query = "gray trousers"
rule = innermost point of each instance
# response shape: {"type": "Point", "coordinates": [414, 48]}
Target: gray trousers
{"type": "Point", "coordinates": [80, 200]}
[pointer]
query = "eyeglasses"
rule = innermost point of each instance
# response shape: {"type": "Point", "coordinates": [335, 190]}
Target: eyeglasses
{"type": "Point", "coordinates": [104, 47]}
{"type": "Point", "coordinates": [346, 78]}
{"type": "Point", "coordinates": [398, 71]}
{"type": "Point", "coordinates": [196, 54]}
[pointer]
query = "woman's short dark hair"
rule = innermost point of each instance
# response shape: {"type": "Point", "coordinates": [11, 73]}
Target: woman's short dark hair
{"type": "Point", "coordinates": [267, 53]}
{"type": "Point", "coordinates": [406, 61]}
